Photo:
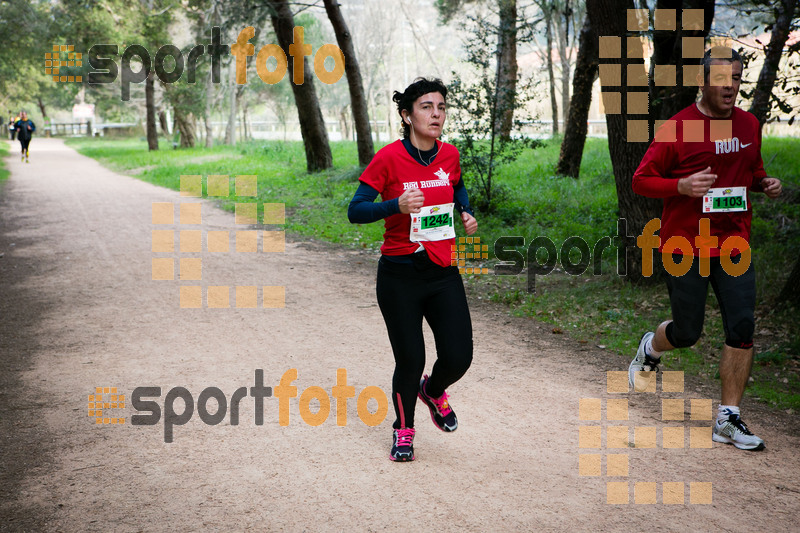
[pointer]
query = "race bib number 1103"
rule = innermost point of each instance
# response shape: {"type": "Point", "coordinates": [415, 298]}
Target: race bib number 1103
{"type": "Point", "coordinates": [725, 199]}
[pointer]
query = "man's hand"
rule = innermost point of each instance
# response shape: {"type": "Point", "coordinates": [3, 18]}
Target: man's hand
{"type": "Point", "coordinates": [470, 224]}
{"type": "Point", "coordinates": [772, 187]}
{"type": "Point", "coordinates": [411, 201]}
{"type": "Point", "coordinates": [697, 184]}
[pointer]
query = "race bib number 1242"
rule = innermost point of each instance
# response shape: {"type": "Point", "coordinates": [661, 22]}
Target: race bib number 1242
{"type": "Point", "coordinates": [433, 223]}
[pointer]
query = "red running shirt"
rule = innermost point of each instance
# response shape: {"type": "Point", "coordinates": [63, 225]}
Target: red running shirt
{"type": "Point", "coordinates": [391, 172]}
{"type": "Point", "coordinates": [683, 146]}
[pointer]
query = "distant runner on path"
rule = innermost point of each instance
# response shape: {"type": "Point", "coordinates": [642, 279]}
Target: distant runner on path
{"type": "Point", "coordinates": [24, 129]}
{"type": "Point", "coordinates": [11, 121]}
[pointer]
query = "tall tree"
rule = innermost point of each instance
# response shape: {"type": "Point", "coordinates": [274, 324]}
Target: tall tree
{"type": "Point", "coordinates": [664, 101]}
{"type": "Point", "coordinates": [312, 125]}
{"type": "Point", "coordinates": [608, 18]}
{"type": "Point", "coordinates": [548, 10]}
{"type": "Point", "coordinates": [506, 52]}
{"type": "Point", "coordinates": [156, 16]}
{"type": "Point", "coordinates": [562, 24]}
{"type": "Point", "coordinates": [667, 100]}
{"type": "Point", "coordinates": [784, 13]}
{"type": "Point", "coordinates": [629, 132]}
{"type": "Point", "coordinates": [150, 118]}
{"type": "Point", "coordinates": [358, 101]}
{"type": "Point", "coordinates": [507, 70]}
{"type": "Point", "coordinates": [569, 160]}
{"type": "Point", "coordinates": [477, 108]}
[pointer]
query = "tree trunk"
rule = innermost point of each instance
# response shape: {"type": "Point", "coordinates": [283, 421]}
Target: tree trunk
{"type": "Point", "coordinates": [41, 108]}
{"type": "Point", "coordinates": [230, 131]}
{"type": "Point", "coordinates": [569, 160]}
{"type": "Point", "coordinates": [548, 14]}
{"type": "Point", "coordinates": [245, 128]}
{"type": "Point", "coordinates": [607, 18]}
{"type": "Point", "coordinates": [667, 50]}
{"type": "Point", "coordinates": [506, 66]}
{"type": "Point", "coordinates": [312, 125]}
{"type": "Point", "coordinates": [241, 105]}
{"type": "Point", "coordinates": [162, 121]}
{"type": "Point", "coordinates": [207, 114]}
{"type": "Point", "coordinates": [210, 85]}
{"type": "Point", "coordinates": [344, 126]}
{"type": "Point", "coordinates": [774, 50]}
{"type": "Point", "coordinates": [150, 104]}
{"type": "Point", "coordinates": [562, 20]}
{"type": "Point", "coordinates": [358, 100]}
{"type": "Point", "coordinates": [185, 127]}
{"type": "Point", "coordinates": [791, 291]}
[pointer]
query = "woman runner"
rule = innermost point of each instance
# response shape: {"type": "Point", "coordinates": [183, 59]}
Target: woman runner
{"type": "Point", "coordinates": [419, 180]}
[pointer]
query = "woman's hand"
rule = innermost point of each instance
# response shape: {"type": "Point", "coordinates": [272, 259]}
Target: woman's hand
{"type": "Point", "coordinates": [411, 201]}
{"type": "Point", "coordinates": [470, 224]}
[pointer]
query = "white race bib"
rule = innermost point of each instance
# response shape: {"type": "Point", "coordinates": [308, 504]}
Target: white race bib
{"type": "Point", "coordinates": [433, 223]}
{"type": "Point", "coordinates": [725, 199]}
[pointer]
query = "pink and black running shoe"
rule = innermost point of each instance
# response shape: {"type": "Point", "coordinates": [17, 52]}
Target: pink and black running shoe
{"type": "Point", "coordinates": [441, 413]}
{"type": "Point", "coordinates": [403, 445]}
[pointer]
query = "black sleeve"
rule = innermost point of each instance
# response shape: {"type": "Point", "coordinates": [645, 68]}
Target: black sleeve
{"type": "Point", "coordinates": [461, 198]}
{"type": "Point", "coordinates": [363, 210]}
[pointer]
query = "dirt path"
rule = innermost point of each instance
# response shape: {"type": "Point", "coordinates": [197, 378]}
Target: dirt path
{"type": "Point", "coordinates": [78, 309]}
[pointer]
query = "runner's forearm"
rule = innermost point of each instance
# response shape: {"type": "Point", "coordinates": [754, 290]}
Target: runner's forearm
{"type": "Point", "coordinates": [363, 209]}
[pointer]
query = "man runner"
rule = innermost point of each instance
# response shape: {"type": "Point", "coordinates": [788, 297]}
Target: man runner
{"type": "Point", "coordinates": [703, 162]}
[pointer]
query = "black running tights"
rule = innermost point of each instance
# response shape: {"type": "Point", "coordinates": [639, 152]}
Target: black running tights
{"type": "Point", "coordinates": [406, 294]}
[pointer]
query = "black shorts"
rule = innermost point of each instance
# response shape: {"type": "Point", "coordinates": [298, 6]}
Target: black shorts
{"type": "Point", "coordinates": [24, 143]}
{"type": "Point", "coordinates": [736, 296]}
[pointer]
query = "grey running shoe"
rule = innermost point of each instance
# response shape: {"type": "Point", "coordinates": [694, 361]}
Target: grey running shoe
{"type": "Point", "coordinates": [643, 369]}
{"type": "Point", "coordinates": [734, 431]}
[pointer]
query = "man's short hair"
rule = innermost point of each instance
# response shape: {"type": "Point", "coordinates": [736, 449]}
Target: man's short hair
{"type": "Point", "coordinates": [719, 53]}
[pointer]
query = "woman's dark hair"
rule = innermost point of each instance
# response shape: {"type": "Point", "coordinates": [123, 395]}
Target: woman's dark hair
{"type": "Point", "coordinates": [406, 99]}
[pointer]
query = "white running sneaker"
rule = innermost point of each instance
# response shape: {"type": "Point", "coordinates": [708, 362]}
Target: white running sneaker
{"type": "Point", "coordinates": [643, 369]}
{"type": "Point", "coordinates": [734, 431]}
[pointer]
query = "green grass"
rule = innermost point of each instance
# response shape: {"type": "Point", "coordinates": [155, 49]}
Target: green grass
{"type": "Point", "coordinates": [603, 310]}
{"type": "Point", "coordinates": [4, 173]}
